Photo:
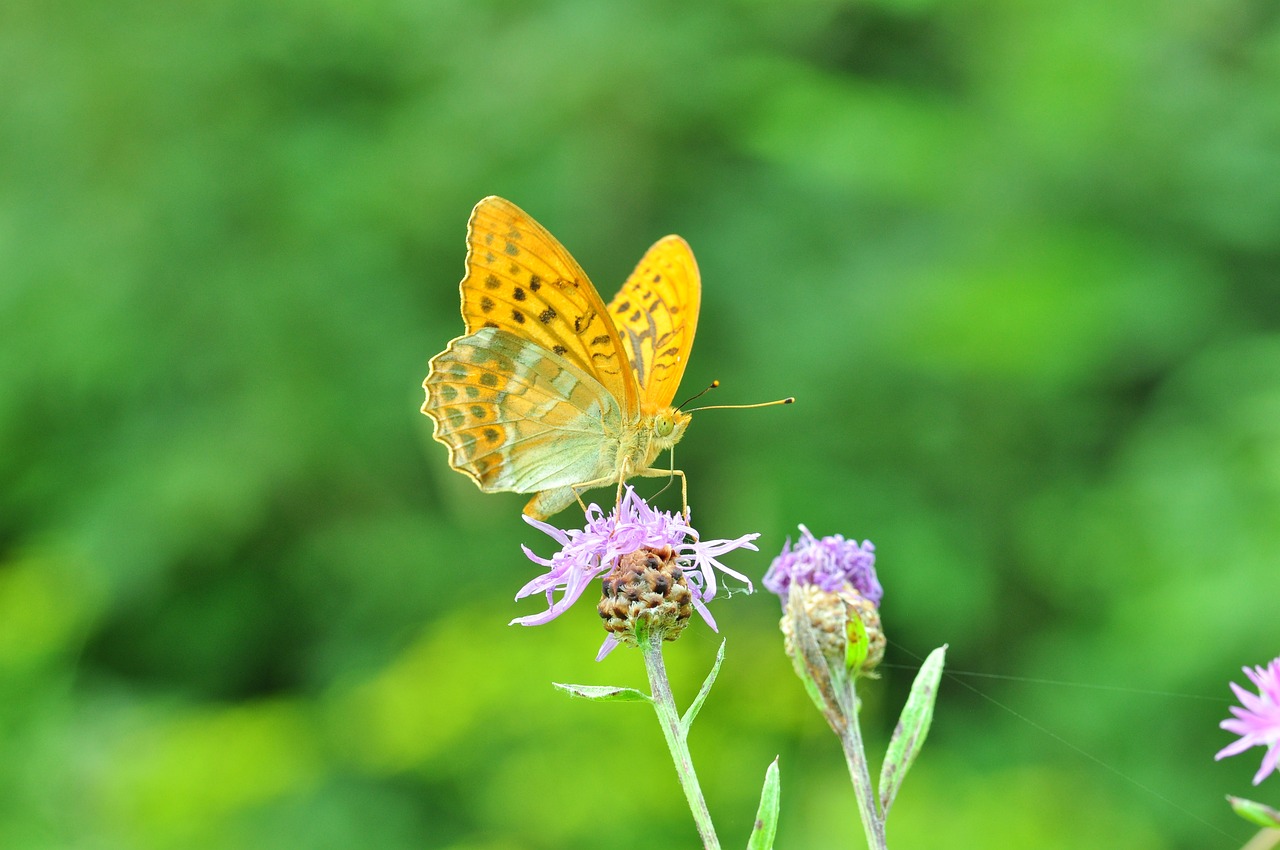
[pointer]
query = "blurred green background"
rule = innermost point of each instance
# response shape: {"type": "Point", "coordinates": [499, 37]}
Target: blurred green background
{"type": "Point", "coordinates": [1016, 261]}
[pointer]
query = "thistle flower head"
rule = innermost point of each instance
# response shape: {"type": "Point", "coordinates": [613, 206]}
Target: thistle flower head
{"type": "Point", "coordinates": [829, 590]}
{"type": "Point", "coordinates": [1257, 720]}
{"type": "Point", "coordinates": [597, 549]}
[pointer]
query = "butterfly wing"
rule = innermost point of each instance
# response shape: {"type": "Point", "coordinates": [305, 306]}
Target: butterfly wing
{"type": "Point", "coordinates": [656, 313]}
{"type": "Point", "coordinates": [518, 418]}
{"type": "Point", "coordinates": [521, 280]}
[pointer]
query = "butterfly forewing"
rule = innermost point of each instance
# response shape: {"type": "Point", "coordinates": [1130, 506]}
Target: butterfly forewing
{"type": "Point", "coordinates": [521, 279]}
{"type": "Point", "coordinates": [516, 417]}
{"type": "Point", "coordinates": [656, 313]}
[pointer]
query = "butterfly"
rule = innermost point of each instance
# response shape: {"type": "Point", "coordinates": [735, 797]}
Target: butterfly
{"type": "Point", "coordinates": [550, 391]}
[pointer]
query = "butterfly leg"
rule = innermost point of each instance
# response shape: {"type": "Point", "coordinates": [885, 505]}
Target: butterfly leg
{"type": "Point", "coordinates": [659, 473]}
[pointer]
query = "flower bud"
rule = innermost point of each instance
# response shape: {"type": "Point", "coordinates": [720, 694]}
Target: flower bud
{"type": "Point", "coordinates": [830, 615]}
{"type": "Point", "coordinates": [830, 587]}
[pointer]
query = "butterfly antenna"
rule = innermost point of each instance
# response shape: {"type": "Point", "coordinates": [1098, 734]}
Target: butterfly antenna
{"type": "Point", "coordinates": [788, 400]}
{"type": "Point", "coordinates": [696, 396]}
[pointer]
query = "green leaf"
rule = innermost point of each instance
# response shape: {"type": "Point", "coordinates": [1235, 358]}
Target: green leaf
{"type": "Point", "coordinates": [696, 705]}
{"type": "Point", "coordinates": [1255, 812]}
{"type": "Point", "coordinates": [858, 646]}
{"type": "Point", "coordinates": [829, 689]}
{"type": "Point", "coordinates": [767, 816]}
{"type": "Point", "coordinates": [604, 693]}
{"type": "Point", "coordinates": [913, 727]}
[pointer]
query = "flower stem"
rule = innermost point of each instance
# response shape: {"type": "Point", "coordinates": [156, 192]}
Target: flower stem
{"type": "Point", "coordinates": [1264, 840]}
{"type": "Point", "coordinates": [675, 733]}
{"type": "Point", "coordinates": [856, 757]}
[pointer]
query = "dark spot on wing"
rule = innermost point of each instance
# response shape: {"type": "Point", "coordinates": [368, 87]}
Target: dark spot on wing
{"type": "Point", "coordinates": [472, 391]}
{"type": "Point", "coordinates": [478, 411]}
{"type": "Point", "coordinates": [488, 239]}
{"type": "Point", "coordinates": [635, 317]}
{"type": "Point", "coordinates": [486, 304]}
{"type": "Point", "coordinates": [657, 277]}
{"type": "Point", "coordinates": [519, 294]}
{"type": "Point", "coordinates": [559, 349]}
{"type": "Point", "coordinates": [671, 351]}
{"type": "Point", "coordinates": [456, 417]}
{"type": "Point", "coordinates": [489, 379]}
{"type": "Point", "coordinates": [518, 316]}
{"type": "Point", "coordinates": [511, 249]}
{"type": "Point", "coordinates": [448, 393]}
{"type": "Point", "coordinates": [491, 281]}
{"type": "Point", "coordinates": [546, 316]}
{"type": "Point", "coordinates": [492, 434]}
{"type": "Point", "coordinates": [490, 324]}
{"type": "Point", "coordinates": [535, 283]}
{"type": "Point", "coordinates": [622, 307]}
{"type": "Point", "coordinates": [600, 340]}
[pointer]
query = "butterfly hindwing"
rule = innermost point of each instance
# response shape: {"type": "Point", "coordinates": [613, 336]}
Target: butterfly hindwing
{"type": "Point", "coordinates": [520, 279]}
{"type": "Point", "coordinates": [656, 313]}
{"type": "Point", "coordinates": [518, 418]}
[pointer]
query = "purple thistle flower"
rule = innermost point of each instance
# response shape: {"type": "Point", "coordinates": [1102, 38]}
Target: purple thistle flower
{"type": "Point", "coordinates": [1258, 722]}
{"type": "Point", "coordinates": [590, 552]}
{"type": "Point", "coordinates": [828, 563]}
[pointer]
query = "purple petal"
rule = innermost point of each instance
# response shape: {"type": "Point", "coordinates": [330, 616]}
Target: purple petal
{"type": "Point", "coordinates": [1234, 748]}
{"type": "Point", "coordinates": [1269, 762]}
{"type": "Point", "coordinates": [609, 645]}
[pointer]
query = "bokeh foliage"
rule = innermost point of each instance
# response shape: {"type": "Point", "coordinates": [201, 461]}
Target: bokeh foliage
{"type": "Point", "coordinates": [1017, 262]}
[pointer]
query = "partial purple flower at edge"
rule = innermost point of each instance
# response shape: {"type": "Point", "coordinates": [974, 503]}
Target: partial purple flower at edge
{"type": "Point", "coordinates": [1258, 721]}
{"type": "Point", "coordinates": [590, 552]}
{"type": "Point", "coordinates": [828, 563]}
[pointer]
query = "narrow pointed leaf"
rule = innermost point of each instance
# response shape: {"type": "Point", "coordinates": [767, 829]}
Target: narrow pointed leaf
{"type": "Point", "coordinates": [913, 727]}
{"type": "Point", "coordinates": [1255, 812]}
{"type": "Point", "coordinates": [696, 705]}
{"type": "Point", "coordinates": [604, 693]}
{"type": "Point", "coordinates": [820, 681]}
{"type": "Point", "coordinates": [859, 645]}
{"type": "Point", "coordinates": [766, 827]}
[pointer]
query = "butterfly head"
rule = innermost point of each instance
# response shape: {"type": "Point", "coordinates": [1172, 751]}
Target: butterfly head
{"type": "Point", "coordinates": [668, 427]}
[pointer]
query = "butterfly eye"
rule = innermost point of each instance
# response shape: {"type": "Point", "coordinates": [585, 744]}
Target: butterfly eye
{"type": "Point", "coordinates": [662, 426]}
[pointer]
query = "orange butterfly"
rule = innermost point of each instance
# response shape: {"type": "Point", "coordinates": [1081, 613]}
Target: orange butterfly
{"type": "Point", "coordinates": [550, 391]}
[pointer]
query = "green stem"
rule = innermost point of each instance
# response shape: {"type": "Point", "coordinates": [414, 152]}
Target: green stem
{"type": "Point", "coordinates": [675, 733]}
{"type": "Point", "coordinates": [1264, 840]}
{"type": "Point", "coordinates": [856, 757]}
